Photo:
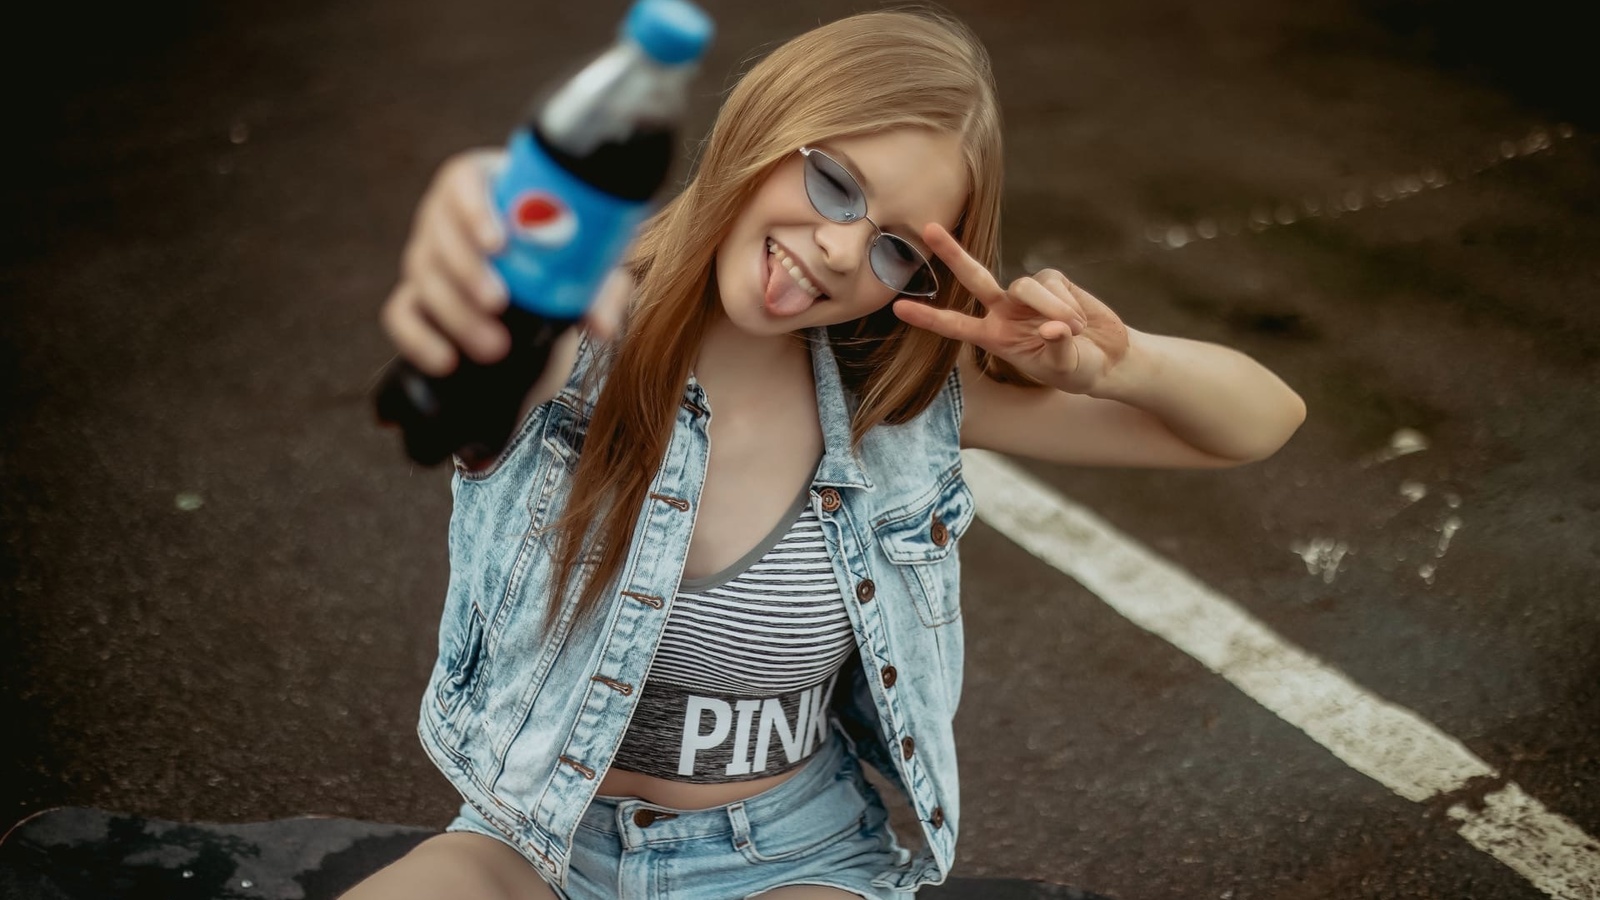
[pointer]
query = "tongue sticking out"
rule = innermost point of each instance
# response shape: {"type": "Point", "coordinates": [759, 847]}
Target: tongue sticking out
{"type": "Point", "coordinates": [784, 296]}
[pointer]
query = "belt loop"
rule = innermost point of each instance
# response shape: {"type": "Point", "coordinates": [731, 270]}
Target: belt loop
{"type": "Point", "coordinates": [741, 825]}
{"type": "Point", "coordinates": [626, 830]}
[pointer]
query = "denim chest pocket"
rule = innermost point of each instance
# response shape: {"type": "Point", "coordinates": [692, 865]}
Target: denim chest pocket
{"type": "Point", "coordinates": [564, 432]}
{"type": "Point", "coordinates": [531, 575]}
{"type": "Point", "coordinates": [921, 545]}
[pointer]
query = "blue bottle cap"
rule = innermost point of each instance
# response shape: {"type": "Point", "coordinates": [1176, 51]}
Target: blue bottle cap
{"type": "Point", "coordinates": [670, 31]}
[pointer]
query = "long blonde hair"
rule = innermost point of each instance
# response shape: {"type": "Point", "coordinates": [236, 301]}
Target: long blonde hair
{"type": "Point", "coordinates": [868, 73]}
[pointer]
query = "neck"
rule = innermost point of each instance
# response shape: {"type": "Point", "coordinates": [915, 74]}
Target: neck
{"type": "Point", "coordinates": [728, 353]}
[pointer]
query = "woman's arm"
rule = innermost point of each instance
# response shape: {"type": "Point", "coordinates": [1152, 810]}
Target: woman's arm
{"type": "Point", "coordinates": [1170, 403]}
{"type": "Point", "coordinates": [1111, 395]}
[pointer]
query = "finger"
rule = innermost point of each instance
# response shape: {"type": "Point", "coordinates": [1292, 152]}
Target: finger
{"type": "Point", "coordinates": [1086, 301]}
{"type": "Point", "coordinates": [1063, 287]}
{"type": "Point", "coordinates": [446, 242]}
{"type": "Point", "coordinates": [945, 322]}
{"type": "Point", "coordinates": [1090, 304]}
{"type": "Point", "coordinates": [468, 185]}
{"type": "Point", "coordinates": [1044, 301]}
{"type": "Point", "coordinates": [458, 317]}
{"type": "Point", "coordinates": [417, 339]}
{"type": "Point", "coordinates": [971, 273]}
{"type": "Point", "coordinates": [1054, 331]}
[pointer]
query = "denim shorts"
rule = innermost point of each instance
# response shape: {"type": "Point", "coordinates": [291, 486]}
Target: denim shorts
{"type": "Point", "coordinates": [826, 825]}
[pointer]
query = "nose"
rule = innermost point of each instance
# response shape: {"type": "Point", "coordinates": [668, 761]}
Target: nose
{"type": "Point", "coordinates": [844, 244]}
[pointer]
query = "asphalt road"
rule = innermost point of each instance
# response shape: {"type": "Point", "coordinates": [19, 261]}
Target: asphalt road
{"type": "Point", "coordinates": [221, 582]}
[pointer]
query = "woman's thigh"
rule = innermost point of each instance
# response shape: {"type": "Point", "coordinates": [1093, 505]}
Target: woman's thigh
{"type": "Point", "coordinates": [455, 866]}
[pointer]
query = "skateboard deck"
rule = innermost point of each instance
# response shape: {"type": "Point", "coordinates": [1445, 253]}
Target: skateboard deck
{"type": "Point", "coordinates": [79, 853]}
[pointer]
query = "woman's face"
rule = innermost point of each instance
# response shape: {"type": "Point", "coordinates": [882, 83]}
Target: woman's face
{"type": "Point", "coordinates": [910, 177]}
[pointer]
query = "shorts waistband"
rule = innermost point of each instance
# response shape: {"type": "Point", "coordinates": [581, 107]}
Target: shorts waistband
{"type": "Point", "coordinates": [637, 823]}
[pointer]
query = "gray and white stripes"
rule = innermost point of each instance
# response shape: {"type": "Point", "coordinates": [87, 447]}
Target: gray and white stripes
{"type": "Point", "coordinates": [778, 626]}
{"type": "Point", "coordinates": [741, 664]}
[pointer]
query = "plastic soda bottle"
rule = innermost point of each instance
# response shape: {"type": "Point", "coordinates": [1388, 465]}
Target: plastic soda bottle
{"type": "Point", "coordinates": [579, 179]}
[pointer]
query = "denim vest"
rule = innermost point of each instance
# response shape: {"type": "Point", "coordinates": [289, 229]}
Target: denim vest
{"type": "Point", "coordinates": [525, 720]}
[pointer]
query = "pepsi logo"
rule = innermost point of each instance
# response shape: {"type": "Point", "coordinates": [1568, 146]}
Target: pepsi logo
{"type": "Point", "coordinates": [543, 219]}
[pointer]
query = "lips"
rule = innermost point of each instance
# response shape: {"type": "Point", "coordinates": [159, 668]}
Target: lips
{"type": "Point", "coordinates": [777, 253]}
{"type": "Point", "coordinates": [789, 290]}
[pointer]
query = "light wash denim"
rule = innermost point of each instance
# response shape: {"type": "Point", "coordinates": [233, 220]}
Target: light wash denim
{"type": "Point", "coordinates": [525, 720]}
{"type": "Point", "coordinates": [825, 825]}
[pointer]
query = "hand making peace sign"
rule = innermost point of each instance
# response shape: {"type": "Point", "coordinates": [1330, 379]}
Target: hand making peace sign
{"type": "Point", "coordinates": [1049, 328]}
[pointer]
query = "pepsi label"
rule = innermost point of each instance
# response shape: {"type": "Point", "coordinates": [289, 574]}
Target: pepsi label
{"type": "Point", "coordinates": [541, 218]}
{"type": "Point", "coordinates": [563, 236]}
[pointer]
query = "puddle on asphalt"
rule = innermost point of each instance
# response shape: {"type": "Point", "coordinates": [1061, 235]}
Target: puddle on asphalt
{"type": "Point", "coordinates": [1325, 557]}
{"type": "Point", "coordinates": [1322, 556]}
{"type": "Point", "coordinates": [1404, 442]}
{"type": "Point", "coordinates": [1447, 530]}
{"type": "Point", "coordinates": [1413, 491]}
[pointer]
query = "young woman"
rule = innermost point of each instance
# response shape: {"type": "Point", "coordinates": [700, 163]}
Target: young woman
{"type": "Point", "coordinates": [715, 570]}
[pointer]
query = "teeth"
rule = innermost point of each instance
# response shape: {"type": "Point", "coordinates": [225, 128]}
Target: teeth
{"type": "Point", "coordinates": [793, 269]}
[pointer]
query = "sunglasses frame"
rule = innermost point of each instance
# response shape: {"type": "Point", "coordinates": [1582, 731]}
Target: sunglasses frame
{"type": "Point", "coordinates": [850, 217]}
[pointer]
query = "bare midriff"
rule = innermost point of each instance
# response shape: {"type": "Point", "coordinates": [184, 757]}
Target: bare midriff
{"type": "Point", "coordinates": [683, 795]}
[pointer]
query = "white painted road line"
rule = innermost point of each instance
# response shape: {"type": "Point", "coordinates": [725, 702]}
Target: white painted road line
{"type": "Point", "coordinates": [1388, 743]}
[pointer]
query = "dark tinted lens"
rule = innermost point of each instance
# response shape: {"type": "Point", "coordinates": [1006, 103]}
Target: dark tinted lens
{"type": "Point", "coordinates": [900, 266]}
{"type": "Point", "coordinates": [833, 192]}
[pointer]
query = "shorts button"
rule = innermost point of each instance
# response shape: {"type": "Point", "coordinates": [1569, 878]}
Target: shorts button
{"type": "Point", "coordinates": [908, 746]}
{"type": "Point", "coordinates": [937, 819]}
{"type": "Point", "coordinates": [940, 534]}
{"type": "Point", "coordinates": [830, 499]}
{"type": "Point", "coordinates": [866, 590]}
{"type": "Point", "coordinates": [889, 676]}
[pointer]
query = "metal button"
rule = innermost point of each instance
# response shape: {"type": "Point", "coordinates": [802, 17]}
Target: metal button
{"type": "Point", "coordinates": [889, 676]}
{"type": "Point", "coordinates": [866, 590]}
{"type": "Point", "coordinates": [908, 746]}
{"type": "Point", "coordinates": [830, 499]}
{"type": "Point", "coordinates": [937, 819]}
{"type": "Point", "coordinates": [941, 534]}
{"type": "Point", "coordinates": [644, 818]}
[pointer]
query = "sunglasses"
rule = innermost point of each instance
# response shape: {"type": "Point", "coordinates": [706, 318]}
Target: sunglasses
{"type": "Point", "coordinates": [837, 197]}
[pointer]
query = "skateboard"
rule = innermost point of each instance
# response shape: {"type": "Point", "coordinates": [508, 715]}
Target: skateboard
{"type": "Point", "coordinates": [81, 853]}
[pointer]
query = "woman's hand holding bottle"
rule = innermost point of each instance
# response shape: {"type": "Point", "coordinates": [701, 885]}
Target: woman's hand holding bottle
{"type": "Point", "coordinates": [448, 300]}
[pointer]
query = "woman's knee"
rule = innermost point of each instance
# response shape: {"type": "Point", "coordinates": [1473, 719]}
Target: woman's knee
{"type": "Point", "coordinates": [455, 866]}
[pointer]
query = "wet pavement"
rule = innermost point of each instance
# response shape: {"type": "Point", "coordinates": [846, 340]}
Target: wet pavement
{"type": "Point", "coordinates": [221, 582]}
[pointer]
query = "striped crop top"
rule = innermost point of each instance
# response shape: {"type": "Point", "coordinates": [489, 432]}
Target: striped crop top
{"type": "Point", "coordinates": [741, 681]}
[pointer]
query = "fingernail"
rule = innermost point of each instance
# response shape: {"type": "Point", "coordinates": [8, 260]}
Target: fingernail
{"type": "Point", "coordinates": [493, 237]}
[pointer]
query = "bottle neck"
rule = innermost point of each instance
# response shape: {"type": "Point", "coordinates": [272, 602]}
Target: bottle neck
{"type": "Point", "coordinates": [622, 92]}
{"type": "Point", "coordinates": [632, 169]}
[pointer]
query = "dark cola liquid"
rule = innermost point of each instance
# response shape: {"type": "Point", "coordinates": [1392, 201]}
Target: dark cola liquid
{"type": "Point", "coordinates": [471, 412]}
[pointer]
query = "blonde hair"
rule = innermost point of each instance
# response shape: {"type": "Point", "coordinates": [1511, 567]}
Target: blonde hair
{"type": "Point", "coordinates": [860, 75]}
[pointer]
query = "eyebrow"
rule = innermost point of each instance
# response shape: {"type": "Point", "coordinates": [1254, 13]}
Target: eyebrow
{"type": "Point", "coordinates": [901, 230]}
{"type": "Point", "coordinates": [855, 170]}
